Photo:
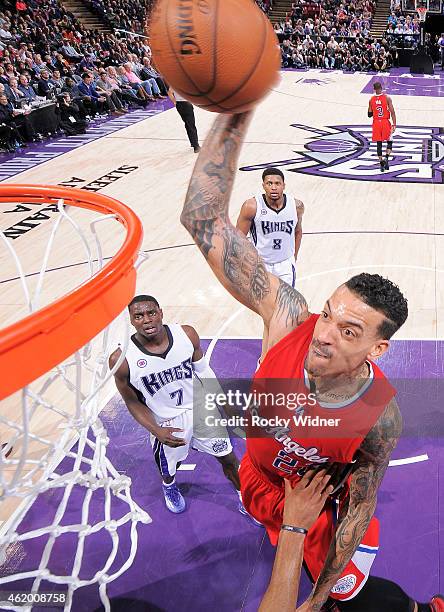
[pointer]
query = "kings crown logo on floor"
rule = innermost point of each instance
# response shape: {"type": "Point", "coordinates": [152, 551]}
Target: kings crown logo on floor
{"type": "Point", "coordinates": [347, 152]}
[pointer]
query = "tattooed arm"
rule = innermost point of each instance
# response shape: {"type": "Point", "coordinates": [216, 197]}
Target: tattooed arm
{"type": "Point", "coordinates": [233, 259]}
{"type": "Point", "coordinates": [374, 456]}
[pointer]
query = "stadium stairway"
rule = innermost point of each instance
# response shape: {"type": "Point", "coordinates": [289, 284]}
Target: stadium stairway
{"type": "Point", "coordinates": [380, 18]}
{"type": "Point", "coordinates": [280, 10]}
{"type": "Point", "coordinates": [89, 20]}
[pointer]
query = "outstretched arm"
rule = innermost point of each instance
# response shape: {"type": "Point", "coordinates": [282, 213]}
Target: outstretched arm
{"type": "Point", "coordinates": [233, 259]}
{"type": "Point", "coordinates": [374, 456]}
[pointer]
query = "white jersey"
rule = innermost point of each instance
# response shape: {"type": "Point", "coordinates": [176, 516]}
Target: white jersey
{"type": "Point", "coordinates": [163, 382]}
{"type": "Point", "coordinates": [273, 232]}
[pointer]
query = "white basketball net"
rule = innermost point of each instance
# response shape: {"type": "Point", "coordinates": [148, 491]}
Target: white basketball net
{"type": "Point", "coordinates": [422, 13]}
{"type": "Point", "coordinates": [32, 468]}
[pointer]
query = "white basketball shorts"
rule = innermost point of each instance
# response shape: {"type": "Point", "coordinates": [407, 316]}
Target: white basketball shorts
{"type": "Point", "coordinates": [167, 457]}
{"type": "Point", "coordinates": [285, 270]}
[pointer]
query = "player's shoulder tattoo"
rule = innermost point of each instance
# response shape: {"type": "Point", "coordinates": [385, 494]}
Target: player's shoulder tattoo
{"type": "Point", "coordinates": [291, 305]}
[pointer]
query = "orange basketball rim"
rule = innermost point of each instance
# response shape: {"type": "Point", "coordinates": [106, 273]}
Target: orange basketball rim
{"type": "Point", "coordinates": [45, 338]}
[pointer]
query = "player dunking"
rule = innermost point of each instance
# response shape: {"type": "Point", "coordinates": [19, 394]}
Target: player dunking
{"type": "Point", "coordinates": [333, 354]}
{"type": "Point", "coordinates": [155, 381]}
{"type": "Point", "coordinates": [381, 108]}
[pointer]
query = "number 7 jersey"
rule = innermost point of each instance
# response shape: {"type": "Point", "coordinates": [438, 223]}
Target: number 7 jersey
{"type": "Point", "coordinates": [163, 382]}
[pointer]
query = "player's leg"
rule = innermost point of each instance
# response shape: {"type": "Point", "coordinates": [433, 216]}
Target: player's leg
{"type": "Point", "coordinates": [230, 468]}
{"type": "Point", "coordinates": [168, 460]}
{"type": "Point", "coordinates": [379, 153]}
{"type": "Point", "coordinates": [388, 152]}
{"type": "Point", "coordinates": [222, 450]}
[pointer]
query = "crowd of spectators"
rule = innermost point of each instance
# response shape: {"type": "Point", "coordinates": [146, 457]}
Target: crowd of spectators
{"type": "Point", "coordinates": [346, 18]}
{"type": "Point", "coordinates": [359, 54]}
{"type": "Point", "coordinates": [334, 34]}
{"type": "Point", "coordinates": [47, 58]}
{"type": "Point", "coordinates": [128, 15]}
{"type": "Point", "coordinates": [402, 29]}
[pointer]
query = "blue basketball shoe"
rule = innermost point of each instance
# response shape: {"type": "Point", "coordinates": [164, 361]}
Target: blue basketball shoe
{"type": "Point", "coordinates": [174, 499]}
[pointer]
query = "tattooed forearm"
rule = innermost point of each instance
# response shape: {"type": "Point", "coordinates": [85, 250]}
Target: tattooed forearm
{"type": "Point", "coordinates": [243, 266]}
{"type": "Point", "coordinates": [290, 304]}
{"type": "Point", "coordinates": [373, 459]}
{"type": "Point", "coordinates": [210, 187]}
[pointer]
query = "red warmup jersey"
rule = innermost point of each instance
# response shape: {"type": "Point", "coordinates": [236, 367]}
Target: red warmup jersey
{"type": "Point", "coordinates": [281, 452]}
{"type": "Point", "coordinates": [382, 128]}
{"type": "Point", "coordinates": [379, 107]}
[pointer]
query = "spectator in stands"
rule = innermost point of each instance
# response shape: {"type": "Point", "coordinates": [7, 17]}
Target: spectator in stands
{"type": "Point", "coordinates": [71, 121]}
{"type": "Point", "coordinates": [148, 72]}
{"type": "Point", "coordinates": [104, 88]}
{"type": "Point", "coordinates": [26, 89]}
{"type": "Point", "coordinates": [70, 53]}
{"type": "Point", "coordinates": [149, 85]}
{"type": "Point", "coordinates": [96, 103]}
{"type": "Point", "coordinates": [441, 49]}
{"type": "Point", "coordinates": [13, 93]}
{"type": "Point", "coordinates": [17, 122]}
{"type": "Point", "coordinates": [124, 89]}
{"type": "Point", "coordinates": [45, 87]}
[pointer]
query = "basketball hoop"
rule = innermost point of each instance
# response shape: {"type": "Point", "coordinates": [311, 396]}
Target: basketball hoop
{"type": "Point", "coordinates": [54, 365]}
{"type": "Point", "coordinates": [422, 13]}
{"type": "Point", "coordinates": [70, 322]}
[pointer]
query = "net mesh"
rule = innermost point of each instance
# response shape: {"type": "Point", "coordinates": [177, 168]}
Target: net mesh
{"type": "Point", "coordinates": [59, 446]}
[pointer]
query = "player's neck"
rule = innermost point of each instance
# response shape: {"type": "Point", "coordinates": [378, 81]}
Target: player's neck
{"type": "Point", "coordinates": [275, 204]}
{"type": "Point", "coordinates": [155, 341]}
{"type": "Point", "coordinates": [340, 387]}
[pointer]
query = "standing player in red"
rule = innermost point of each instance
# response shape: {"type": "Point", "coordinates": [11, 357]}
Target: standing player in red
{"type": "Point", "coordinates": [332, 355]}
{"type": "Point", "coordinates": [381, 109]}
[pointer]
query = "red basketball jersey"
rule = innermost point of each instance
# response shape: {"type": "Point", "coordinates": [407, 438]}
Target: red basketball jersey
{"type": "Point", "coordinates": [379, 106]}
{"type": "Point", "coordinates": [281, 451]}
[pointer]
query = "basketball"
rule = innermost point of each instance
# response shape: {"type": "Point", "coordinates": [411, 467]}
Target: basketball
{"type": "Point", "coordinates": [221, 55]}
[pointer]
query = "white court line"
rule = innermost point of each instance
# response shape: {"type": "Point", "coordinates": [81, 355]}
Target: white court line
{"type": "Point", "coordinates": [408, 460]}
{"type": "Point", "coordinates": [186, 467]}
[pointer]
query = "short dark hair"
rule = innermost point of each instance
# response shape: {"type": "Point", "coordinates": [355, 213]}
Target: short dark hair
{"type": "Point", "coordinates": [270, 171]}
{"type": "Point", "coordinates": [385, 297]}
{"type": "Point", "coordinates": [86, 74]}
{"type": "Point", "coordinates": [143, 298]}
{"type": "Point", "coordinates": [377, 86]}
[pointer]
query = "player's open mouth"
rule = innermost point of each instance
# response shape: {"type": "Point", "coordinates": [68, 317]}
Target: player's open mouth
{"type": "Point", "coordinates": [149, 330]}
{"type": "Point", "coordinates": [318, 353]}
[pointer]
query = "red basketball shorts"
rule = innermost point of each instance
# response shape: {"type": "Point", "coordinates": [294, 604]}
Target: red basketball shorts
{"type": "Point", "coordinates": [381, 130]}
{"type": "Point", "coordinates": [265, 501]}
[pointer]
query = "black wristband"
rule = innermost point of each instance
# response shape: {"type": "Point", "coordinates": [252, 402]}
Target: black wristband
{"type": "Point", "coordinates": [294, 529]}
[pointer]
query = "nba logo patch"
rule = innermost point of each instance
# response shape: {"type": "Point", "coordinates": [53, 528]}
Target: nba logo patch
{"type": "Point", "coordinates": [141, 363]}
{"type": "Point", "coordinates": [344, 584]}
{"type": "Point", "coordinates": [219, 446]}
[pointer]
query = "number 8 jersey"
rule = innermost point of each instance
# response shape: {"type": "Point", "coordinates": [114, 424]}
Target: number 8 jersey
{"type": "Point", "coordinates": [272, 231]}
{"type": "Point", "coordinates": [163, 382]}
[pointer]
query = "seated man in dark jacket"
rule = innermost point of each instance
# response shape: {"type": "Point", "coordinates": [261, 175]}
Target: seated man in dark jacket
{"type": "Point", "coordinates": [91, 98]}
{"type": "Point", "coordinates": [70, 119]}
{"type": "Point", "coordinates": [148, 72]}
{"type": "Point", "coordinates": [46, 88]}
{"type": "Point", "coordinates": [9, 134]}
